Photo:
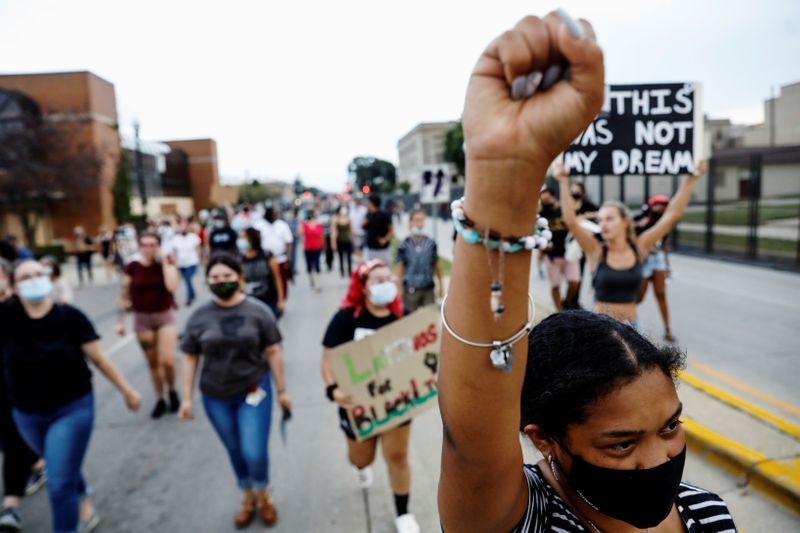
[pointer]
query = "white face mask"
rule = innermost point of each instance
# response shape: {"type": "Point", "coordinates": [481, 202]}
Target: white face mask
{"type": "Point", "coordinates": [417, 231]}
{"type": "Point", "coordinates": [343, 211]}
{"type": "Point", "coordinates": [383, 293]}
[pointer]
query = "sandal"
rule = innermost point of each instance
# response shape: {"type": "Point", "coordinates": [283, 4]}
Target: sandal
{"type": "Point", "coordinates": [246, 514]}
{"type": "Point", "coordinates": [267, 511]}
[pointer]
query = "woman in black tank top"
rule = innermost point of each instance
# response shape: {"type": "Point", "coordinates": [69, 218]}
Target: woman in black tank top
{"type": "Point", "coordinates": [594, 396]}
{"type": "Point", "coordinates": [616, 261]}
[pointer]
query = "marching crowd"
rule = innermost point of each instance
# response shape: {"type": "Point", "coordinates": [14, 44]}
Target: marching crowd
{"type": "Point", "coordinates": [592, 394]}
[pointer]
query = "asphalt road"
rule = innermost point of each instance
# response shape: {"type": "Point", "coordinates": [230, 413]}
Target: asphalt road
{"type": "Point", "coordinates": [173, 476]}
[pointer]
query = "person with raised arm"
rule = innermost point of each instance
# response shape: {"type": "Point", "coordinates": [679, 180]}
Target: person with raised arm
{"type": "Point", "coordinates": [595, 397]}
{"type": "Point", "coordinates": [617, 262]}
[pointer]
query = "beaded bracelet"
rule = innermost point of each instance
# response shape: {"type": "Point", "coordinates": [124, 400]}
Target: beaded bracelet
{"type": "Point", "coordinates": [471, 233]}
{"type": "Point", "coordinates": [492, 240]}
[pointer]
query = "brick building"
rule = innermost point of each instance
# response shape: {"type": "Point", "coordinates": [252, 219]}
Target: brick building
{"type": "Point", "coordinates": [85, 105]}
{"type": "Point", "coordinates": [181, 175]}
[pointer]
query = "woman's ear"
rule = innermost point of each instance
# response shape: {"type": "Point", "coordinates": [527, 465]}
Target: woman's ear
{"type": "Point", "coordinates": [543, 442]}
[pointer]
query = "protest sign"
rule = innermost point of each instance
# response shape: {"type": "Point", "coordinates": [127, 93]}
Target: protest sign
{"type": "Point", "coordinates": [391, 374]}
{"type": "Point", "coordinates": [435, 184]}
{"type": "Point", "coordinates": [653, 128]}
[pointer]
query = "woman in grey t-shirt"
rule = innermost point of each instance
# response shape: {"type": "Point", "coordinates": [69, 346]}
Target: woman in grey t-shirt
{"type": "Point", "coordinates": [239, 340]}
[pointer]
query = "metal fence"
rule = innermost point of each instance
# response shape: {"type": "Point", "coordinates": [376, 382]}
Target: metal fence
{"type": "Point", "coordinates": [747, 207]}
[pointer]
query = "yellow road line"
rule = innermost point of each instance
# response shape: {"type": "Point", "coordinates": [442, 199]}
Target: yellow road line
{"type": "Point", "coordinates": [779, 479]}
{"type": "Point", "coordinates": [747, 389]}
{"type": "Point", "coordinates": [760, 413]}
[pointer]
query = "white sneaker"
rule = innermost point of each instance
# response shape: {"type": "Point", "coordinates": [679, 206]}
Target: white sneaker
{"type": "Point", "coordinates": [406, 523]}
{"type": "Point", "coordinates": [364, 477]}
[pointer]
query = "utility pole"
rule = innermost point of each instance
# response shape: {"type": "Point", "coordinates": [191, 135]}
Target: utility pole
{"type": "Point", "coordinates": [139, 169]}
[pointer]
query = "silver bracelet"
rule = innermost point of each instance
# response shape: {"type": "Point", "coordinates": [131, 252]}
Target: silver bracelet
{"type": "Point", "coordinates": [501, 356]}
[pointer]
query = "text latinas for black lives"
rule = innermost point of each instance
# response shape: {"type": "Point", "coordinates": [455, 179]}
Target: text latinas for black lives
{"type": "Point", "coordinates": [641, 129]}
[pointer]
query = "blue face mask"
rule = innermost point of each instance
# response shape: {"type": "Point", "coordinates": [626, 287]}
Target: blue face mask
{"type": "Point", "coordinates": [242, 244]}
{"type": "Point", "coordinates": [36, 289]}
{"type": "Point", "coordinates": [417, 231]}
{"type": "Point", "coordinates": [383, 293]}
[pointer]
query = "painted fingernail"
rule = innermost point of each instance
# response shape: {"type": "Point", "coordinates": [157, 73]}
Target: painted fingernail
{"type": "Point", "coordinates": [532, 83]}
{"type": "Point", "coordinates": [551, 76]}
{"type": "Point", "coordinates": [518, 87]}
{"type": "Point", "coordinates": [567, 73]}
{"type": "Point", "coordinates": [574, 29]}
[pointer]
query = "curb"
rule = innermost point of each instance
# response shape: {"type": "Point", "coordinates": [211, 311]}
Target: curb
{"type": "Point", "coordinates": [779, 479]}
{"type": "Point", "coordinates": [760, 414]}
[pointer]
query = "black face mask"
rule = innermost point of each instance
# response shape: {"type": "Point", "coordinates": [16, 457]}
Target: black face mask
{"type": "Point", "coordinates": [642, 498]}
{"type": "Point", "coordinates": [225, 289]}
{"type": "Point", "coordinates": [577, 196]}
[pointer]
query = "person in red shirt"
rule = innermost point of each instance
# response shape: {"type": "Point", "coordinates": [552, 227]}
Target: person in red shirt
{"type": "Point", "coordinates": [148, 284]}
{"type": "Point", "coordinates": [312, 245]}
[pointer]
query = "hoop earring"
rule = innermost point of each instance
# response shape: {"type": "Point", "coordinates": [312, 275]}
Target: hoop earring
{"type": "Point", "coordinates": [552, 466]}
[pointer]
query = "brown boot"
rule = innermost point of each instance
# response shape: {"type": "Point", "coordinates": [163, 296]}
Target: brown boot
{"type": "Point", "coordinates": [247, 512]}
{"type": "Point", "coordinates": [266, 509]}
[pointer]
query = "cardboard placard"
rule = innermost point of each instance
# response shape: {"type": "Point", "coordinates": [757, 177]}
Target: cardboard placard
{"type": "Point", "coordinates": [391, 374]}
{"type": "Point", "coordinates": [642, 129]}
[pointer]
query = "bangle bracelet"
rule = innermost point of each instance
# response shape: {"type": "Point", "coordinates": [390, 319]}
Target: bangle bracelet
{"type": "Point", "coordinates": [329, 390]}
{"type": "Point", "coordinates": [501, 356]}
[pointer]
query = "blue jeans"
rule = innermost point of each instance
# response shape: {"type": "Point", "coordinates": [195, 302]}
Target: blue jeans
{"type": "Point", "coordinates": [61, 438]}
{"type": "Point", "coordinates": [188, 274]}
{"type": "Point", "coordinates": [244, 431]}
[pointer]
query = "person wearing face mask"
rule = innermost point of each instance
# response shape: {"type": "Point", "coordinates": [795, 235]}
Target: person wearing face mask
{"type": "Point", "coordinates": [45, 351]}
{"type": "Point", "coordinates": [222, 237]}
{"type": "Point", "coordinates": [594, 396]}
{"type": "Point", "coordinates": [18, 459]}
{"type": "Point", "coordinates": [616, 262]}
{"type": "Point", "coordinates": [417, 262]}
{"type": "Point", "coordinates": [84, 249]}
{"type": "Point", "coordinates": [62, 292]}
{"type": "Point", "coordinates": [342, 240]}
{"type": "Point", "coordinates": [372, 301]}
{"type": "Point", "coordinates": [148, 285]}
{"type": "Point", "coordinates": [239, 341]}
{"type": "Point", "coordinates": [656, 265]}
{"type": "Point", "coordinates": [277, 238]}
{"type": "Point", "coordinates": [262, 274]}
{"type": "Point", "coordinates": [185, 245]}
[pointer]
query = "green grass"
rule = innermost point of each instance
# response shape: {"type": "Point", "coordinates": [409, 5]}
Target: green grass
{"type": "Point", "coordinates": [446, 266]}
{"type": "Point", "coordinates": [735, 243]}
{"type": "Point", "coordinates": [737, 216]}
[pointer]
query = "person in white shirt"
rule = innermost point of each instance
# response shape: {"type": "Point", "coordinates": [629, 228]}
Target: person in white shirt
{"type": "Point", "coordinates": [185, 245]}
{"type": "Point", "coordinates": [358, 213]}
{"type": "Point", "coordinates": [277, 238]}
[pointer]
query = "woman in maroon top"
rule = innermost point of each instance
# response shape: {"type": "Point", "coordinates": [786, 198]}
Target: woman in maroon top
{"type": "Point", "coordinates": [148, 283]}
{"type": "Point", "coordinates": [312, 245]}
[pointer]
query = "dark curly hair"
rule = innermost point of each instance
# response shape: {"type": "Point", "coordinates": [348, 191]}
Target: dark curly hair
{"type": "Point", "coordinates": [577, 357]}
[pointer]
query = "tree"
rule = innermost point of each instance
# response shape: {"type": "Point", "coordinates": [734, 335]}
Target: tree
{"type": "Point", "coordinates": [404, 186]}
{"type": "Point", "coordinates": [42, 165]}
{"type": "Point", "coordinates": [373, 172]}
{"type": "Point", "coordinates": [454, 148]}
{"type": "Point", "coordinates": [122, 190]}
{"type": "Point", "coordinates": [256, 192]}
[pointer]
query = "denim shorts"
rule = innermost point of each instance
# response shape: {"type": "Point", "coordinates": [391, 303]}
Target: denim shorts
{"type": "Point", "coordinates": [656, 262]}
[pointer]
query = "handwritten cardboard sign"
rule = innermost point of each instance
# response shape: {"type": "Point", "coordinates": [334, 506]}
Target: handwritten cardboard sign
{"type": "Point", "coordinates": [642, 129]}
{"type": "Point", "coordinates": [391, 374]}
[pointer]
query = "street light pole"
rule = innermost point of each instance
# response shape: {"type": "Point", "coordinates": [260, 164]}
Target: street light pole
{"type": "Point", "coordinates": [139, 169]}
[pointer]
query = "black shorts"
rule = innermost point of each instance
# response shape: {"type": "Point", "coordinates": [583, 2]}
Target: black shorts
{"type": "Point", "coordinates": [344, 424]}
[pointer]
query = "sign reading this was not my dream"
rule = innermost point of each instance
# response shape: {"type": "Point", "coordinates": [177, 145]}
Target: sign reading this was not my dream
{"type": "Point", "coordinates": [651, 128]}
{"type": "Point", "coordinates": [391, 375]}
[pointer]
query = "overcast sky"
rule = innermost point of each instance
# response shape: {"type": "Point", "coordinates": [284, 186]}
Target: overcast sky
{"type": "Point", "coordinates": [299, 88]}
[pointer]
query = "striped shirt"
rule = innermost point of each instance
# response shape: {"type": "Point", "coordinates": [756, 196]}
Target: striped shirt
{"type": "Point", "coordinates": [701, 511]}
